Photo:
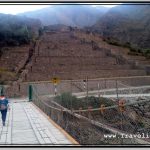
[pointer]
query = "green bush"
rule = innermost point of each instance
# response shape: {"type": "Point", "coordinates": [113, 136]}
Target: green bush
{"type": "Point", "coordinates": [72, 102]}
{"type": "Point", "coordinates": [145, 52]}
{"type": "Point", "coordinates": [67, 100]}
{"type": "Point", "coordinates": [133, 49]}
{"type": "Point", "coordinates": [127, 44]}
{"type": "Point", "coordinates": [116, 42]}
{"type": "Point", "coordinates": [141, 124]}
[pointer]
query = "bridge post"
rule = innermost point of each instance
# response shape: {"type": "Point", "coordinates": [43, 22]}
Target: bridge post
{"type": "Point", "coordinates": [2, 90]}
{"type": "Point", "coordinates": [30, 93]}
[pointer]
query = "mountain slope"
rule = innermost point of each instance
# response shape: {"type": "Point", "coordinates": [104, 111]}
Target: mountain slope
{"type": "Point", "coordinates": [72, 15]}
{"type": "Point", "coordinates": [126, 24]}
{"type": "Point", "coordinates": [17, 38]}
{"type": "Point", "coordinates": [16, 30]}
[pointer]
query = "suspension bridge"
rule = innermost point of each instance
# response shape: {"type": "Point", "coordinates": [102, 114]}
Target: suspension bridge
{"type": "Point", "coordinates": [28, 125]}
{"type": "Point", "coordinates": [94, 108]}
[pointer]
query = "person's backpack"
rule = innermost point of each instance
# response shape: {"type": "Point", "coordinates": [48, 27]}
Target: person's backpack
{"type": "Point", "coordinates": [3, 107]}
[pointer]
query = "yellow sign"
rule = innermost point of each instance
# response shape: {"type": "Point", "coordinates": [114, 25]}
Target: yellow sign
{"type": "Point", "coordinates": [55, 80]}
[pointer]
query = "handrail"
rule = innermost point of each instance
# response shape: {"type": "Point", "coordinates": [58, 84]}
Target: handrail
{"type": "Point", "coordinates": [95, 79]}
{"type": "Point", "coordinates": [45, 102]}
{"type": "Point", "coordinates": [95, 109]}
{"type": "Point", "coordinates": [110, 107]}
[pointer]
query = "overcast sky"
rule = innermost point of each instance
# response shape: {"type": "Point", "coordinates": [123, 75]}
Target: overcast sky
{"type": "Point", "coordinates": [14, 9]}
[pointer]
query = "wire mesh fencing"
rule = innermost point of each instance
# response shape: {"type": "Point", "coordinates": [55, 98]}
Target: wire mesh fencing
{"type": "Point", "coordinates": [99, 112]}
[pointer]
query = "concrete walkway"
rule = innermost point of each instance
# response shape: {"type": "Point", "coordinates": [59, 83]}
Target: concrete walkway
{"type": "Point", "coordinates": [26, 124]}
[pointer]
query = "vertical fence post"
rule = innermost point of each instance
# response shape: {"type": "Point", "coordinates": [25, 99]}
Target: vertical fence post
{"type": "Point", "coordinates": [55, 88]}
{"type": "Point", "coordinates": [71, 94]}
{"type": "Point", "coordinates": [87, 88]}
{"type": "Point", "coordinates": [117, 90]}
{"type": "Point", "coordinates": [105, 86]}
{"type": "Point", "coordinates": [30, 93]}
{"type": "Point", "coordinates": [98, 90]}
{"type": "Point", "coordinates": [2, 90]}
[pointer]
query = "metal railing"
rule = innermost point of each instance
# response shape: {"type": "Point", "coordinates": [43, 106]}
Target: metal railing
{"type": "Point", "coordinates": [88, 126]}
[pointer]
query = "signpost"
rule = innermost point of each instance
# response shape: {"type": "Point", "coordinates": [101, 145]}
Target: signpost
{"type": "Point", "coordinates": [55, 81]}
{"type": "Point", "coordinates": [84, 84]}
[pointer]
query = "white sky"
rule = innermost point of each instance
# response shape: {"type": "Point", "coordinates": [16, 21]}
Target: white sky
{"type": "Point", "coordinates": [14, 9]}
{"type": "Point", "coordinates": [111, 5]}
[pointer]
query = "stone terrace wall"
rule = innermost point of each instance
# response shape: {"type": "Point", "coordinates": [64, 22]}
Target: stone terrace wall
{"type": "Point", "coordinates": [63, 55]}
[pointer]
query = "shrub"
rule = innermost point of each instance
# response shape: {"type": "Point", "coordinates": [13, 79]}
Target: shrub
{"type": "Point", "coordinates": [66, 100]}
{"type": "Point", "coordinates": [69, 101]}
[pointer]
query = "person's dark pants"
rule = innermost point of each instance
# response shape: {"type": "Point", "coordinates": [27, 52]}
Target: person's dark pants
{"type": "Point", "coordinates": [4, 113]}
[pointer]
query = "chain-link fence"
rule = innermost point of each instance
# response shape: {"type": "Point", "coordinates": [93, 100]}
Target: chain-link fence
{"type": "Point", "coordinates": [102, 111]}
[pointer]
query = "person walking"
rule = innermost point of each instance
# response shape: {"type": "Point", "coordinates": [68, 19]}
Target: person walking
{"type": "Point", "coordinates": [3, 108]}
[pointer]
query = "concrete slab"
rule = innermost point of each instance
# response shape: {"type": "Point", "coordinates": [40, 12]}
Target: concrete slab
{"type": "Point", "coordinates": [25, 124]}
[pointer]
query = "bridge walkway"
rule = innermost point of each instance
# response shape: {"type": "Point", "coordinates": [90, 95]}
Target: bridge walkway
{"type": "Point", "coordinates": [27, 125]}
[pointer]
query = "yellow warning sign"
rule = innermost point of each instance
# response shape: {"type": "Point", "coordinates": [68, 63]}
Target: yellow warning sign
{"type": "Point", "coordinates": [55, 80]}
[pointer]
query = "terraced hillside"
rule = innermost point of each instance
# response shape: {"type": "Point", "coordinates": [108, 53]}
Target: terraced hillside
{"type": "Point", "coordinates": [69, 55]}
{"type": "Point", "coordinates": [12, 61]}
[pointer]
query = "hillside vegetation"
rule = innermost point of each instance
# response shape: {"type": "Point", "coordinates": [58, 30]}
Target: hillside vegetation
{"type": "Point", "coordinates": [71, 102]}
{"type": "Point", "coordinates": [15, 31]}
{"type": "Point", "coordinates": [126, 25]}
{"type": "Point", "coordinates": [16, 35]}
